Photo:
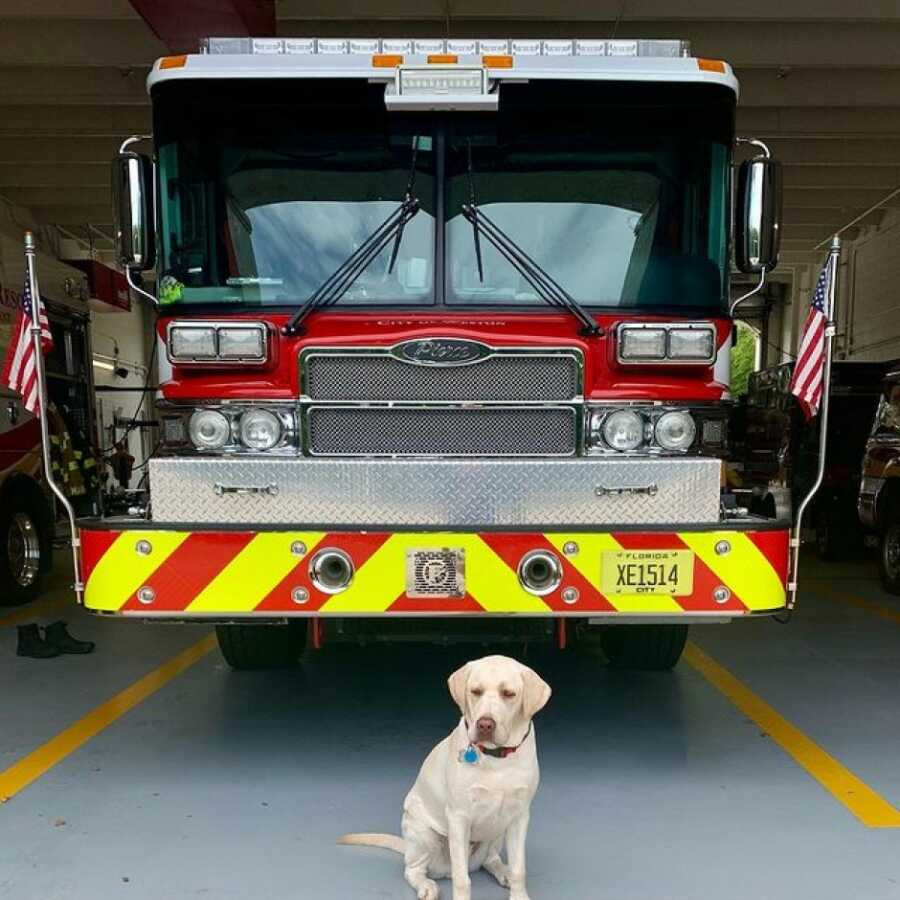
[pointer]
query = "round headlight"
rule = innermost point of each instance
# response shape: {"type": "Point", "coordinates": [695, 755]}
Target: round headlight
{"type": "Point", "coordinates": [623, 430]}
{"type": "Point", "coordinates": [675, 430]}
{"type": "Point", "coordinates": [260, 429]}
{"type": "Point", "coordinates": [209, 429]}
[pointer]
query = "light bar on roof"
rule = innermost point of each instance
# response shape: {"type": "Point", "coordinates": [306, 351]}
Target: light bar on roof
{"type": "Point", "coordinates": [459, 46]}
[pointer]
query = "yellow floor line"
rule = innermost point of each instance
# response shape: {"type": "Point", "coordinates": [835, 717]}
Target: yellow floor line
{"type": "Point", "coordinates": [19, 775]}
{"type": "Point", "coordinates": [869, 807]}
{"type": "Point", "coordinates": [34, 610]}
{"type": "Point", "coordinates": [883, 612]}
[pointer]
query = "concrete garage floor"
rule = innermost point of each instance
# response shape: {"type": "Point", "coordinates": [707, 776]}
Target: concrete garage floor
{"type": "Point", "coordinates": [655, 786]}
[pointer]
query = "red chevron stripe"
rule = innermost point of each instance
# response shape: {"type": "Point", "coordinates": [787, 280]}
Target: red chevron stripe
{"type": "Point", "coordinates": [705, 580]}
{"type": "Point", "coordinates": [190, 568]}
{"type": "Point", "coordinates": [359, 547]}
{"type": "Point", "coordinates": [511, 547]}
{"type": "Point", "coordinates": [775, 546]}
{"type": "Point", "coordinates": [94, 545]}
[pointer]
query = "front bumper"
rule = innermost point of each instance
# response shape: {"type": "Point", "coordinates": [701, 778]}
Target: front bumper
{"type": "Point", "coordinates": [172, 572]}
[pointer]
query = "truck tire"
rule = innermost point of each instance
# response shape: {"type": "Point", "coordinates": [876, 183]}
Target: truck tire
{"type": "Point", "coordinates": [261, 646]}
{"type": "Point", "coordinates": [648, 647]}
{"type": "Point", "coordinates": [889, 556]}
{"type": "Point", "coordinates": [22, 548]}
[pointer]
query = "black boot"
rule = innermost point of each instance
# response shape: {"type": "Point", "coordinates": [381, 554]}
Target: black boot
{"type": "Point", "coordinates": [57, 636]}
{"type": "Point", "coordinates": [32, 645]}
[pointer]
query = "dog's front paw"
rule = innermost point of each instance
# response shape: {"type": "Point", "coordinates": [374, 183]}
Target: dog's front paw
{"type": "Point", "coordinates": [462, 892]}
{"type": "Point", "coordinates": [499, 870]}
{"type": "Point", "coordinates": [518, 895]}
{"type": "Point", "coordinates": [429, 890]}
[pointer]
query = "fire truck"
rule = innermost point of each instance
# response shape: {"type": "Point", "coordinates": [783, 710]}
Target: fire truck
{"type": "Point", "coordinates": [443, 338]}
{"type": "Point", "coordinates": [27, 513]}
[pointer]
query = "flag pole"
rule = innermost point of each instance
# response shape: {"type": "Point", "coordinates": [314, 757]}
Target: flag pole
{"type": "Point", "coordinates": [834, 257]}
{"type": "Point", "coordinates": [43, 410]}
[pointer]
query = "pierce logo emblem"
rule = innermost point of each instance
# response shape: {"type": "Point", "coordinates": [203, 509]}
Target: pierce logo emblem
{"type": "Point", "coordinates": [441, 352]}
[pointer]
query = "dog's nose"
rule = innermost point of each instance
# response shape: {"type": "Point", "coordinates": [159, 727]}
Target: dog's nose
{"type": "Point", "coordinates": [486, 725]}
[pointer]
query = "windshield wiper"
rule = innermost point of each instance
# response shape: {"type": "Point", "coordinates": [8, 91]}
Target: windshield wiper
{"type": "Point", "coordinates": [338, 283]}
{"type": "Point", "coordinates": [546, 287]}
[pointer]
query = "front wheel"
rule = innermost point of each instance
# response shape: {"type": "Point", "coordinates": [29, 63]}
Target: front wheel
{"type": "Point", "coordinates": [889, 558]}
{"type": "Point", "coordinates": [262, 646]}
{"type": "Point", "coordinates": [20, 550]}
{"type": "Point", "coordinates": [648, 647]}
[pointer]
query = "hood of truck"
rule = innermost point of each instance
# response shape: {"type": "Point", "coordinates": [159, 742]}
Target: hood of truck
{"type": "Point", "coordinates": [604, 377]}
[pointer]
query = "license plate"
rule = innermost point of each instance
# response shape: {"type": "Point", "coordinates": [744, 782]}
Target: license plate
{"type": "Point", "coordinates": [668, 572]}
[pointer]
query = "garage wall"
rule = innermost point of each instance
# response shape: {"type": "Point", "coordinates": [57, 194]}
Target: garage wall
{"type": "Point", "coordinates": [870, 322]}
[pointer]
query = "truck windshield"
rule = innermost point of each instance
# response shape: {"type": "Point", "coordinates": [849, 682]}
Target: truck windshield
{"type": "Point", "coordinates": [617, 190]}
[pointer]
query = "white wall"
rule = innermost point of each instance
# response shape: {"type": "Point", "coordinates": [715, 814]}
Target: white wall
{"type": "Point", "coordinates": [869, 302]}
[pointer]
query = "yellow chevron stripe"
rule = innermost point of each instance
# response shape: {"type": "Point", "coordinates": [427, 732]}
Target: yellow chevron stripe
{"type": "Point", "coordinates": [254, 572]}
{"type": "Point", "coordinates": [588, 561]}
{"type": "Point", "coordinates": [376, 584]}
{"type": "Point", "coordinates": [745, 569]}
{"type": "Point", "coordinates": [122, 570]}
{"type": "Point", "coordinates": [495, 585]}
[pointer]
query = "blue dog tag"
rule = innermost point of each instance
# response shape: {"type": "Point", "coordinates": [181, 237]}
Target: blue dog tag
{"type": "Point", "coordinates": [469, 755]}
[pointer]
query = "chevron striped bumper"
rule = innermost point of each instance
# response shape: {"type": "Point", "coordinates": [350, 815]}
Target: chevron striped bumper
{"type": "Point", "coordinates": [180, 574]}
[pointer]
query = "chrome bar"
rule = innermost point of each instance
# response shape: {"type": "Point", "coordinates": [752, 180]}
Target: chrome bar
{"type": "Point", "coordinates": [78, 586]}
{"type": "Point", "coordinates": [833, 261]}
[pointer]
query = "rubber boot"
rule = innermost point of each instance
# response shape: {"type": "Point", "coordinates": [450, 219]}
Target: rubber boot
{"type": "Point", "coordinates": [32, 645]}
{"type": "Point", "coordinates": [57, 636]}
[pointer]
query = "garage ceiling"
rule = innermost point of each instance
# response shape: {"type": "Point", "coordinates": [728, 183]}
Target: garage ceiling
{"type": "Point", "coordinates": [821, 84]}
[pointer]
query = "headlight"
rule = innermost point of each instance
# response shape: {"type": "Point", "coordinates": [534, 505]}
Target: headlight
{"type": "Point", "coordinates": [642, 343]}
{"type": "Point", "coordinates": [242, 342]}
{"type": "Point", "coordinates": [692, 343]}
{"type": "Point", "coordinates": [675, 430]}
{"type": "Point", "coordinates": [623, 430]}
{"type": "Point", "coordinates": [209, 429]}
{"type": "Point", "coordinates": [260, 429]}
{"type": "Point", "coordinates": [192, 342]}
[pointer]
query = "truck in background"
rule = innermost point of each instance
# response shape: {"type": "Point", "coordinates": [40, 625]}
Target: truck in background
{"type": "Point", "coordinates": [27, 513]}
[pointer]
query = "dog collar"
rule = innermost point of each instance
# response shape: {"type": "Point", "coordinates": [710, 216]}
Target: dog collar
{"type": "Point", "coordinates": [498, 752]}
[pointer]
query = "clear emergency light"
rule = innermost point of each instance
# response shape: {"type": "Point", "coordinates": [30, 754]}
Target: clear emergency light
{"type": "Point", "coordinates": [460, 47]}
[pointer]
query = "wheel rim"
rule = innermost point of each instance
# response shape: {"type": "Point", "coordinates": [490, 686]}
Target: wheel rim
{"type": "Point", "coordinates": [891, 552]}
{"type": "Point", "coordinates": [23, 549]}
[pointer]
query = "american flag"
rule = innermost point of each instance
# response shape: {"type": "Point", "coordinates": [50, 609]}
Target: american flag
{"type": "Point", "coordinates": [20, 366]}
{"type": "Point", "coordinates": [806, 383]}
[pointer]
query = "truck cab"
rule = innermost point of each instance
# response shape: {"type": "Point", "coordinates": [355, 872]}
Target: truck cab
{"type": "Point", "coordinates": [443, 332]}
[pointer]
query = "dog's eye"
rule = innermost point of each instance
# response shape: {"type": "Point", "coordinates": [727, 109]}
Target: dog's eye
{"type": "Point", "coordinates": [508, 695]}
{"type": "Point", "coordinates": [477, 692]}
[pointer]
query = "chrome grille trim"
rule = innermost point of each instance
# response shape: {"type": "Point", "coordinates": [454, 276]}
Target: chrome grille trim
{"type": "Point", "coordinates": [504, 375]}
{"type": "Point", "coordinates": [442, 431]}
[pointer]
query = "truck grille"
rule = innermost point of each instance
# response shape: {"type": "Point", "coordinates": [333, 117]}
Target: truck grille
{"type": "Point", "coordinates": [504, 377]}
{"type": "Point", "coordinates": [441, 431]}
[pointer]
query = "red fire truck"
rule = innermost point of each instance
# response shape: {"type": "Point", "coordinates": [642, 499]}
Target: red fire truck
{"type": "Point", "coordinates": [443, 332]}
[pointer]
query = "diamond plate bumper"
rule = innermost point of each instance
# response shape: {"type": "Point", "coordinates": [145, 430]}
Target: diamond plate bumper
{"type": "Point", "coordinates": [451, 494]}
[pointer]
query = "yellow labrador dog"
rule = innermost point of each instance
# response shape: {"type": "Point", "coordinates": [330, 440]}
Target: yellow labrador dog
{"type": "Point", "coordinates": [475, 788]}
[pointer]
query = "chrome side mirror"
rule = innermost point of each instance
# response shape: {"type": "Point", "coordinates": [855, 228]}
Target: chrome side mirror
{"type": "Point", "coordinates": [132, 195]}
{"type": "Point", "coordinates": [757, 220]}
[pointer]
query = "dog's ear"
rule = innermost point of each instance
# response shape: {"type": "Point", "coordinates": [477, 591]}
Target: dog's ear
{"type": "Point", "coordinates": [536, 692]}
{"type": "Point", "coordinates": [457, 683]}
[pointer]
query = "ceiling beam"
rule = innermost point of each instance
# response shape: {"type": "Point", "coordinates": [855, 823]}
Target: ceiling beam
{"type": "Point", "coordinates": [57, 85]}
{"type": "Point", "coordinates": [74, 121]}
{"type": "Point", "coordinates": [98, 215]}
{"type": "Point", "coordinates": [69, 195]}
{"type": "Point", "coordinates": [838, 198]}
{"type": "Point", "coordinates": [57, 175]}
{"type": "Point", "coordinates": [74, 42]}
{"type": "Point", "coordinates": [817, 87]}
{"type": "Point", "coordinates": [837, 152]}
{"type": "Point", "coordinates": [180, 24]}
{"type": "Point", "coordinates": [819, 123]}
{"type": "Point", "coordinates": [875, 177]}
{"type": "Point", "coordinates": [42, 151]}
